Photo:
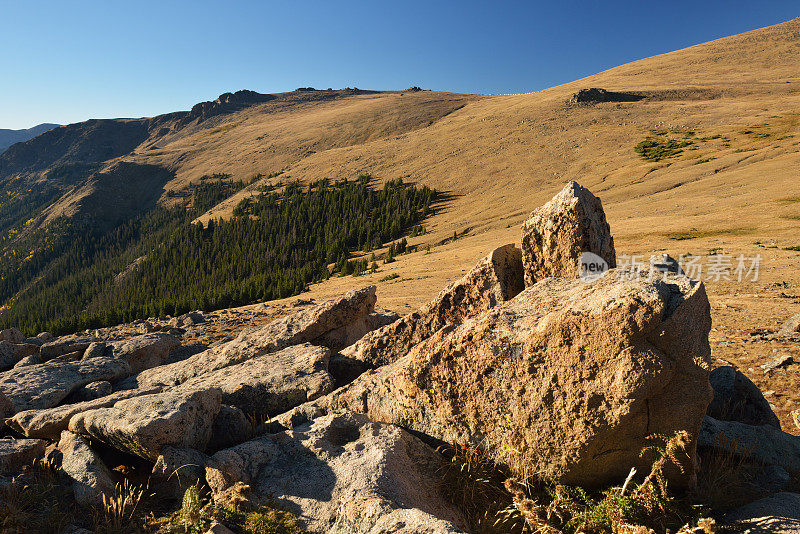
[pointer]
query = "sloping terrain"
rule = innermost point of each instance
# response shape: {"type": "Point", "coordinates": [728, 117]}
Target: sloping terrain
{"type": "Point", "coordinates": [721, 121]}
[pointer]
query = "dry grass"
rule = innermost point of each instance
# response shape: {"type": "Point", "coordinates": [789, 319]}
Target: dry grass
{"type": "Point", "coordinates": [36, 501]}
{"type": "Point", "coordinates": [495, 502]}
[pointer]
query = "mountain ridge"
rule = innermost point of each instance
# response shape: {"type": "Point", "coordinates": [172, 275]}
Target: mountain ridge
{"type": "Point", "coordinates": [9, 137]}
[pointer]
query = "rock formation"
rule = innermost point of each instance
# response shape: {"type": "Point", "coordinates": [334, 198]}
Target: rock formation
{"type": "Point", "coordinates": [555, 235]}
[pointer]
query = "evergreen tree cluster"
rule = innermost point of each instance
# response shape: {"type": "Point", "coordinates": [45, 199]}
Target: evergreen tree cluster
{"type": "Point", "coordinates": [161, 263]}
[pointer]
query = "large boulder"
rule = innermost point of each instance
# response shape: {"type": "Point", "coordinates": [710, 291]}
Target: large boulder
{"type": "Point", "coordinates": [91, 478]}
{"type": "Point", "coordinates": [6, 408]}
{"type": "Point", "coordinates": [231, 427]}
{"type": "Point", "coordinates": [567, 380]}
{"type": "Point", "coordinates": [46, 385]}
{"type": "Point", "coordinates": [345, 336]}
{"type": "Point", "coordinates": [17, 453]}
{"type": "Point", "coordinates": [272, 383]}
{"type": "Point", "coordinates": [736, 398]}
{"type": "Point", "coordinates": [49, 423]}
{"type": "Point", "coordinates": [8, 357]}
{"type": "Point", "coordinates": [304, 326]}
{"type": "Point", "coordinates": [145, 351]}
{"type": "Point", "coordinates": [497, 278]}
{"type": "Point", "coordinates": [145, 425]}
{"type": "Point", "coordinates": [558, 233]}
{"type": "Point", "coordinates": [342, 474]}
{"type": "Point", "coordinates": [765, 444]}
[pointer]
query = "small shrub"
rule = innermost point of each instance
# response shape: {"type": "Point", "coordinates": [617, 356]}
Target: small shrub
{"type": "Point", "coordinates": [656, 150]}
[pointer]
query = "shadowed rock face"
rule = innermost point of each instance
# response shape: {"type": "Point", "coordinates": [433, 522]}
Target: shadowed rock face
{"type": "Point", "coordinates": [596, 94]}
{"type": "Point", "coordinates": [555, 235]}
{"type": "Point", "coordinates": [342, 474]}
{"type": "Point", "coordinates": [91, 478]}
{"type": "Point", "coordinates": [567, 379]}
{"type": "Point", "coordinates": [736, 398]}
{"type": "Point", "coordinates": [495, 279]}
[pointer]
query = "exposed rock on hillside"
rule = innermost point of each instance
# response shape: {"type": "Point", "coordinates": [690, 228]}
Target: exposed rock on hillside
{"type": "Point", "coordinates": [555, 235]}
{"type": "Point", "coordinates": [49, 423]}
{"type": "Point", "coordinates": [596, 94]}
{"type": "Point", "coordinates": [270, 383]}
{"type": "Point", "coordinates": [342, 474]}
{"type": "Point", "coordinates": [495, 279]}
{"type": "Point", "coordinates": [47, 384]}
{"type": "Point", "coordinates": [301, 327]}
{"type": "Point", "coordinates": [573, 376]}
{"type": "Point", "coordinates": [145, 425]}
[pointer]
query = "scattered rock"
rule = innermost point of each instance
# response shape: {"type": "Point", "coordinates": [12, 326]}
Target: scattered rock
{"type": "Point", "coordinates": [342, 474]}
{"type": "Point", "coordinates": [92, 479]}
{"type": "Point", "coordinates": [781, 361]}
{"type": "Point", "coordinates": [495, 279]}
{"type": "Point", "coordinates": [231, 427]}
{"type": "Point", "coordinates": [558, 233]}
{"type": "Point", "coordinates": [574, 376]}
{"type": "Point", "coordinates": [736, 398]}
{"type": "Point", "coordinates": [145, 425]}
{"type": "Point", "coordinates": [17, 453]}
{"type": "Point", "coordinates": [47, 384]}
{"type": "Point", "coordinates": [776, 514]}
{"type": "Point", "coordinates": [49, 423]}
{"type": "Point", "coordinates": [178, 469]}
{"type": "Point", "coordinates": [301, 327]}
{"type": "Point", "coordinates": [791, 326]}
{"type": "Point", "coordinates": [762, 444]}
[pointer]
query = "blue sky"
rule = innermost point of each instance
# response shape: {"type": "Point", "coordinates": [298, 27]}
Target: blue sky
{"type": "Point", "coordinates": [69, 61]}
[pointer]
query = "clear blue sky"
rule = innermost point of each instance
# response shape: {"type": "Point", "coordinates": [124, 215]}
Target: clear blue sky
{"type": "Point", "coordinates": [69, 60]}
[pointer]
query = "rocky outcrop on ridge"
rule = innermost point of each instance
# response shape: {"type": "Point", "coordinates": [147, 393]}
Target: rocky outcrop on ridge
{"type": "Point", "coordinates": [557, 234]}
